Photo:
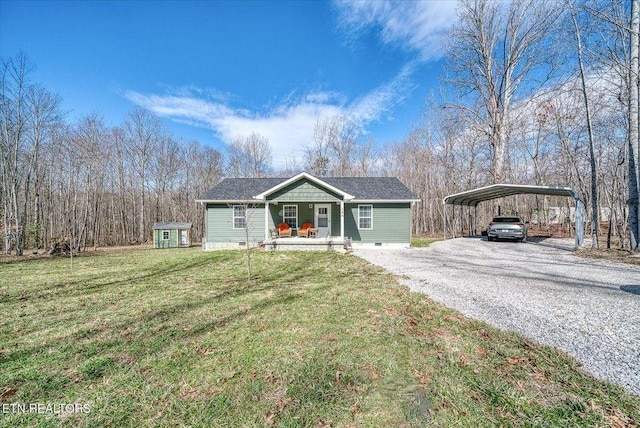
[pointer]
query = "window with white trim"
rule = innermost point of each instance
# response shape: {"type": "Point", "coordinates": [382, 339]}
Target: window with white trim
{"type": "Point", "coordinates": [290, 215]}
{"type": "Point", "coordinates": [165, 235]}
{"type": "Point", "coordinates": [239, 216]}
{"type": "Point", "coordinates": [365, 216]}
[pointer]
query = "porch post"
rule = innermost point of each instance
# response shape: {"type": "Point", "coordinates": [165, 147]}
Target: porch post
{"type": "Point", "coordinates": [342, 219]}
{"type": "Point", "coordinates": [266, 220]}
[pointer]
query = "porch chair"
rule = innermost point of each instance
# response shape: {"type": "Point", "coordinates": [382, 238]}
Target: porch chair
{"type": "Point", "coordinates": [306, 230]}
{"type": "Point", "coordinates": [284, 230]}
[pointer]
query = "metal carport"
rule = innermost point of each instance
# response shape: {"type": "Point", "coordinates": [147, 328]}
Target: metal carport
{"type": "Point", "coordinates": [472, 198]}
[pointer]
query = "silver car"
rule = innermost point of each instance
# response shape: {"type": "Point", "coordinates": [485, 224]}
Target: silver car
{"type": "Point", "coordinates": [507, 227]}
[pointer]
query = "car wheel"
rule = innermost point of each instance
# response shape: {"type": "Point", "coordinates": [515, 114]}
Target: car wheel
{"type": "Point", "coordinates": [489, 238]}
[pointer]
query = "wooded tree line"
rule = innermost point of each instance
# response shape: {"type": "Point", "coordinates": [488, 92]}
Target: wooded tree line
{"type": "Point", "coordinates": [86, 182]}
{"type": "Point", "coordinates": [536, 92]}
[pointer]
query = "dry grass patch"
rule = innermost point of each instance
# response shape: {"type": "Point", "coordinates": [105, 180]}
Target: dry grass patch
{"type": "Point", "coordinates": [616, 255]}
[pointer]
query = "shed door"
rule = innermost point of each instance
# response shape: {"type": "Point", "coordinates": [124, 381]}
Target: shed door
{"type": "Point", "coordinates": [184, 238]}
{"type": "Point", "coordinates": [323, 220]}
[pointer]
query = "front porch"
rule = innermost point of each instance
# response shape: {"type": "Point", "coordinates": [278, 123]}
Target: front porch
{"type": "Point", "coordinates": [304, 244]}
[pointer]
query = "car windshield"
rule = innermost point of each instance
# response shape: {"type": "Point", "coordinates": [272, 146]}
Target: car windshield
{"type": "Point", "coordinates": [507, 220]}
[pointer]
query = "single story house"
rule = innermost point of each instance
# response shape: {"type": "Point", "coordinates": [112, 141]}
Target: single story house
{"type": "Point", "coordinates": [361, 210]}
{"type": "Point", "coordinates": [171, 235]}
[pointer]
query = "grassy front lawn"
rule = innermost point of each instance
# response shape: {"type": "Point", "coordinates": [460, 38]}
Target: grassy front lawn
{"type": "Point", "coordinates": [148, 338]}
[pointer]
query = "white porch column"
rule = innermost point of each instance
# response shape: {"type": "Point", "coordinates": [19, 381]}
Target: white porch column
{"type": "Point", "coordinates": [266, 220]}
{"type": "Point", "coordinates": [342, 219]}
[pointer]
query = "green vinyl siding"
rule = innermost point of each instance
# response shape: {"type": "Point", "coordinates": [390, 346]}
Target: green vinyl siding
{"type": "Point", "coordinates": [391, 223]}
{"type": "Point", "coordinates": [303, 191]}
{"type": "Point", "coordinates": [158, 242]}
{"type": "Point", "coordinates": [220, 224]}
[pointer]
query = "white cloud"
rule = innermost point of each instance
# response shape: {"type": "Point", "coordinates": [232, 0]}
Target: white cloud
{"type": "Point", "coordinates": [381, 100]}
{"type": "Point", "coordinates": [288, 126]}
{"type": "Point", "coordinates": [413, 25]}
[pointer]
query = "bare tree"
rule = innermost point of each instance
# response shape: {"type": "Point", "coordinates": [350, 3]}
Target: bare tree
{"type": "Point", "coordinates": [343, 143]}
{"type": "Point", "coordinates": [595, 224]}
{"type": "Point", "coordinates": [317, 153]}
{"type": "Point", "coordinates": [28, 113]}
{"type": "Point", "coordinates": [89, 142]}
{"type": "Point", "coordinates": [249, 156]}
{"type": "Point", "coordinates": [143, 131]}
{"type": "Point", "coordinates": [634, 127]}
{"type": "Point", "coordinates": [203, 169]}
{"type": "Point", "coordinates": [337, 149]}
{"type": "Point", "coordinates": [13, 117]}
{"type": "Point", "coordinates": [498, 53]}
{"type": "Point", "coordinates": [164, 170]}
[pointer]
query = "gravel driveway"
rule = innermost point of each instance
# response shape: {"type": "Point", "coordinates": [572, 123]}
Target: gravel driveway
{"type": "Point", "coordinates": [588, 308]}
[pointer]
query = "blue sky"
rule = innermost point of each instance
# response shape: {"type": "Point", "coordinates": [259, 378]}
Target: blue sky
{"type": "Point", "coordinates": [216, 70]}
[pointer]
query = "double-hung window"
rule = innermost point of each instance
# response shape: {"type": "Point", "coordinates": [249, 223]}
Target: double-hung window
{"type": "Point", "coordinates": [239, 216]}
{"type": "Point", "coordinates": [290, 215]}
{"type": "Point", "coordinates": [365, 216]}
{"type": "Point", "coordinates": [165, 235]}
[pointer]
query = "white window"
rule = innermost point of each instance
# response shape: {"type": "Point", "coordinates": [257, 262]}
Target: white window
{"type": "Point", "coordinates": [290, 215]}
{"type": "Point", "coordinates": [365, 216]}
{"type": "Point", "coordinates": [239, 216]}
{"type": "Point", "coordinates": [165, 235]}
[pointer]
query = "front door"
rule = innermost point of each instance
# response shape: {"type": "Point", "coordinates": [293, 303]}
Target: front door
{"type": "Point", "coordinates": [184, 238]}
{"type": "Point", "coordinates": [323, 220]}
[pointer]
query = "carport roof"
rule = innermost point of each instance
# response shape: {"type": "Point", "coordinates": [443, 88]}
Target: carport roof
{"type": "Point", "coordinates": [473, 197]}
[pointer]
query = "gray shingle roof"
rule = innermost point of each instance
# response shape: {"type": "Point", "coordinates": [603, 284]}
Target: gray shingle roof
{"type": "Point", "coordinates": [171, 225]}
{"type": "Point", "coordinates": [237, 189]}
{"type": "Point", "coordinates": [366, 188]}
{"type": "Point", "coordinates": [363, 188]}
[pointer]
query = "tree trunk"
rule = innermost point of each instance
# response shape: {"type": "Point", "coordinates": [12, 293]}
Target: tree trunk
{"type": "Point", "coordinates": [141, 233]}
{"type": "Point", "coordinates": [592, 160]}
{"type": "Point", "coordinates": [634, 121]}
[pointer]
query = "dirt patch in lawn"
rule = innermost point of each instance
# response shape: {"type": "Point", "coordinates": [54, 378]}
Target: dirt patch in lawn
{"type": "Point", "coordinates": [616, 255]}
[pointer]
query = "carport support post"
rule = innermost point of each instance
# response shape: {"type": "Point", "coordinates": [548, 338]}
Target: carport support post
{"type": "Point", "coordinates": [453, 222]}
{"type": "Point", "coordinates": [444, 221]}
{"type": "Point", "coordinates": [579, 218]}
{"type": "Point", "coordinates": [475, 219]}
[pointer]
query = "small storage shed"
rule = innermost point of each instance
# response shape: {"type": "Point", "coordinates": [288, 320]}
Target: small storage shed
{"type": "Point", "coordinates": [171, 235]}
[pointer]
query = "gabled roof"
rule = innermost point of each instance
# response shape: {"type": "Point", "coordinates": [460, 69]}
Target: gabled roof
{"type": "Point", "coordinates": [356, 189]}
{"type": "Point", "coordinates": [473, 197]}
{"type": "Point", "coordinates": [171, 225]}
{"type": "Point", "coordinates": [309, 177]}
